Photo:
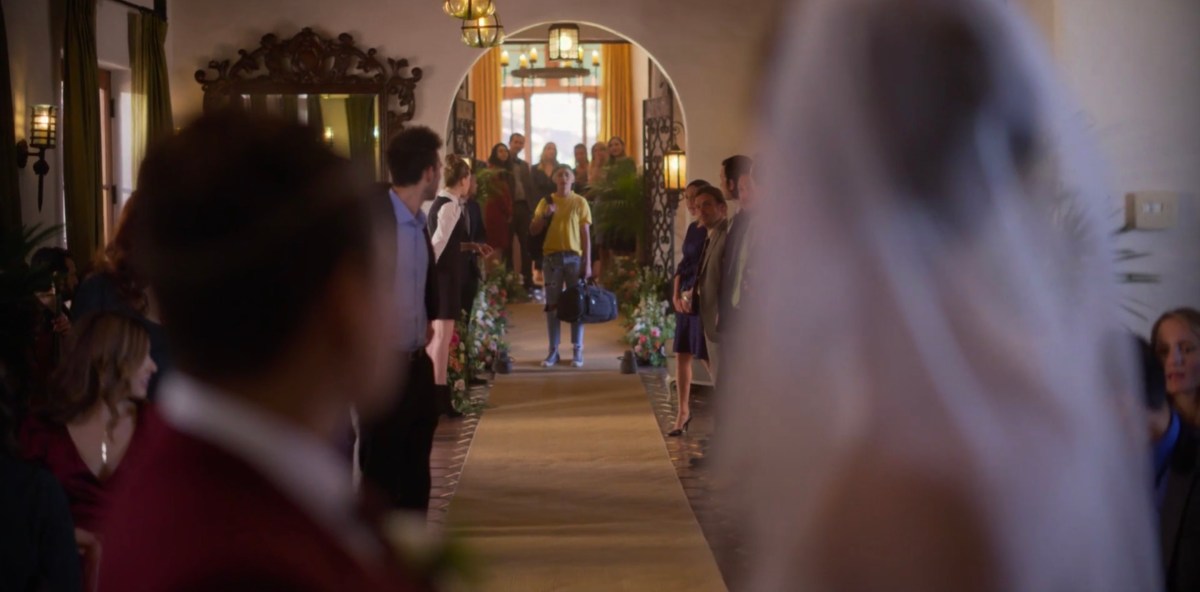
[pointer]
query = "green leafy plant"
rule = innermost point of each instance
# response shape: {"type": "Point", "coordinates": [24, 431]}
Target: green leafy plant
{"type": "Point", "coordinates": [488, 184]}
{"type": "Point", "coordinates": [620, 209]}
{"type": "Point", "coordinates": [19, 285]}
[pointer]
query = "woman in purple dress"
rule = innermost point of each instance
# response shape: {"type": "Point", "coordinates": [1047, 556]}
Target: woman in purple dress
{"type": "Point", "coordinates": [689, 334]}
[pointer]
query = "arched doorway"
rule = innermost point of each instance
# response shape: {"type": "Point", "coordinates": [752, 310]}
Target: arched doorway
{"type": "Point", "coordinates": [575, 102]}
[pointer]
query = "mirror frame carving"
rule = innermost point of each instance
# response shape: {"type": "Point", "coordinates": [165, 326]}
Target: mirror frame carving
{"type": "Point", "coordinates": [308, 63]}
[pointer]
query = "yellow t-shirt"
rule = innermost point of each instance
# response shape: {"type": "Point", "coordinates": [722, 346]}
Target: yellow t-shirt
{"type": "Point", "coordinates": [562, 233]}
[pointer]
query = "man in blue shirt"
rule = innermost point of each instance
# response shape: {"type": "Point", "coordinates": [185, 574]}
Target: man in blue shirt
{"type": "Point", "coordinates": [394, 452]}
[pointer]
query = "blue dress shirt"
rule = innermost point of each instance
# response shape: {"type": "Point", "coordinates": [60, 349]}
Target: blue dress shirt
{"type": "Point", "coordinates": [412, 268]}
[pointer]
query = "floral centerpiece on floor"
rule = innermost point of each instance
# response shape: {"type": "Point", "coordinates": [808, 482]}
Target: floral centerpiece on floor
{"type": "Point", "coordinates": [487, 327]}
{"type": "Point", "coordinates": [478, 340]}
{"type": "Point", "coordinates": [652, 327]}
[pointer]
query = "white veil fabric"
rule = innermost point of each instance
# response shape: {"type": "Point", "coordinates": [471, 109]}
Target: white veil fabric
{"type": "Point", "coordinates": [928, 391]}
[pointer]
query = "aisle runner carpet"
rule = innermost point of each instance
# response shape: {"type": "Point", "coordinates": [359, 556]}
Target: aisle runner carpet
{"type": "Point", "coordinates": [568, 485]}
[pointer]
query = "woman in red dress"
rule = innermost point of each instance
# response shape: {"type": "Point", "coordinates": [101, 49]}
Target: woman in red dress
{"type": "Point", "coordinates": [499, 210]}
{"type": "Point", "coordinates": [93, 413]}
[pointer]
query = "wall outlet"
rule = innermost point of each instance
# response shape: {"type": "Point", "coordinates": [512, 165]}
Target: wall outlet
{"type": "Point", "coordinates": [1151, 210]}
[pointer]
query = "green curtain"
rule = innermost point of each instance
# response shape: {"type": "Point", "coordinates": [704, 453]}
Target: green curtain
{"type": "Point", "coordinates": [290, 105]}
{"type": "Point", "coordinates": [152, 119]}
{"type": "Point", "coordinates": [360, 122]}
{"type": "Point", "coordinates": [81, 130]}
{"type": "Point", "coordinates": [10, 187]}
{"type": "Point", "coordinates": [315, 121]}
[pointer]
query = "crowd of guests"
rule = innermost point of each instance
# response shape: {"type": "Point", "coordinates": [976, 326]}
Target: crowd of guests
{"type": "Point", "coordinates": [180, 418]}
{"type": "Point", "coordinates": [543, 228]}
{"type": "Point", "coordinates": [119, 446]}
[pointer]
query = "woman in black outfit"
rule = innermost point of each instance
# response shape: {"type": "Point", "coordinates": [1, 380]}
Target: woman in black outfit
{"type": "Point", "coordinates": [450, 234]}
{"type": "Point", "coordinates": [689, 334]}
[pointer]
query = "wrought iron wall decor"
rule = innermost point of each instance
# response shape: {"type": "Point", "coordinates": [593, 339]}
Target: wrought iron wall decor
{"type": "Point", "coordinates": [658, 123]}
{"type": "Point", "coordinates": [309, 63]}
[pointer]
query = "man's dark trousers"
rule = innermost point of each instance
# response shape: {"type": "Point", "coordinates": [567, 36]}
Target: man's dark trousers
{"type": "Point", "coordinates": [394, 452]}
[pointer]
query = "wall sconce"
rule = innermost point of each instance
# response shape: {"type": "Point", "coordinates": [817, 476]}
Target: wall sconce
{"type": "Point", "coordinates": [43, 129]}
{"type": "Point", "coordinates": [328, 136]}
{"type": "Point", "coordinates": [563, 43]}
{"type": "Point", "coordinates": [675, 164]}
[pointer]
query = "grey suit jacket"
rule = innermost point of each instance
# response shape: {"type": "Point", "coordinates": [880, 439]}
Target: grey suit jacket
{"type": "Point", "coordinates": [708, 285]}
{"type": "Point", "coordinates": [524, 176]}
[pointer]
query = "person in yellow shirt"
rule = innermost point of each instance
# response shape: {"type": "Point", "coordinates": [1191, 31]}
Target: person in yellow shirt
{"type": "Point", "coordinates": [567, 219]}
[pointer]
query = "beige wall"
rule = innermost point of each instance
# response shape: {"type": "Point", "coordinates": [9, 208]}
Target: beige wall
{"type": "Point", "coordinates": [708, 57]}
{"type": "Point", "coordinates": [34, 80]}
{"type": "Point", "coordinates": [32, 43]}
{"type": "Point", "coordinates": [1132, 65]}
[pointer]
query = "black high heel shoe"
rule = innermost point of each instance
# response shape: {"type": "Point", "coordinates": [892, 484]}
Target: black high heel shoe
{"type": "Point", "coordinates": [680, 431]}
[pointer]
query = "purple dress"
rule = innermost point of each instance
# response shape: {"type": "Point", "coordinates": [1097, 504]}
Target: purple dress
{"type": "Point", "coordinates": [689, 333]}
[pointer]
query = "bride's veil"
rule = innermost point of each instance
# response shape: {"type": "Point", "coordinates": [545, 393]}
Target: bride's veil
{"type": "Point", "coordinates": [927, 391]}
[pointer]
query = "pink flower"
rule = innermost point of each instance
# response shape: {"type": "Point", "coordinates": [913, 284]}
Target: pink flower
{"type": "Point", "coordinates": [655, 332]}
{"type": "Point", "coordinates": [641, 339]}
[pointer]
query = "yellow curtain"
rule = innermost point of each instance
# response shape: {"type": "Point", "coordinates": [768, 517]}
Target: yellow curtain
{"type": "Point", "coordinates": [616, 95]}
{"type": "Point", "coordinates": [486, 91]}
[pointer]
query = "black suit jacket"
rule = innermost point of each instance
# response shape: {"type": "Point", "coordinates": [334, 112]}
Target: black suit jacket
{"type": "Point", "coordinates": [385, 215]}
{"type": "Point", "coordinates": [1180, 516]}
{"type": "Point", "coordinates": [477, 235]}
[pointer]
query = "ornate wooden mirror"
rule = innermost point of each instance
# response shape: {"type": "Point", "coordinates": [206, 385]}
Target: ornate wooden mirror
{"type": "Point", "coordinates": [348, 95]}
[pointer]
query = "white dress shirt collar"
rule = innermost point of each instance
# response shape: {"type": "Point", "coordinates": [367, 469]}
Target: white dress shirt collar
{"type": "Point", "coordinates": [306, 470]}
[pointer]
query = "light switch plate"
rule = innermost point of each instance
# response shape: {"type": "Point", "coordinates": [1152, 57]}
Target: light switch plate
{"type": "Point", "coordinates": [1151, 210]}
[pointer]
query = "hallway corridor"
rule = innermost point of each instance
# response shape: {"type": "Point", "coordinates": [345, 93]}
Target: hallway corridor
{"type": "Point", "coordinates": [568, 484]}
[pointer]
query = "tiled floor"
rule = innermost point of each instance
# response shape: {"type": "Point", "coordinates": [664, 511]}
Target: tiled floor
{"type": "Point", "coordinates": [450, 446]}
{"type": "Point", "coordinates": [696, 477]}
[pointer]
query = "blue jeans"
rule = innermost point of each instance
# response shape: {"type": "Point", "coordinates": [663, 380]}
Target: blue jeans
{"type": "Point", "coordinates": [559, 269]}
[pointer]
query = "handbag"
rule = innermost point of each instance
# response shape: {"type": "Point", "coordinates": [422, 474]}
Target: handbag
{"type": "Point", "coordinates": [587, 303]}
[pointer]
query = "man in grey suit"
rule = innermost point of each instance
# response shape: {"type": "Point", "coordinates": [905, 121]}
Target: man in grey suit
{"type": "Point", "coordinates": [523, 206]}
{"type": "Point", "coordinates": [710, 205]}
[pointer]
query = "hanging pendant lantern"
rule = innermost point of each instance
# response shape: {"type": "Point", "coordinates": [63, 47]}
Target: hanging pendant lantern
{"type": "Point", "coordinates": [564, 42]}
{"type": "Point", "coordinates": [469, 9]}
{"type": "Point", "coordinates": [484, 31]}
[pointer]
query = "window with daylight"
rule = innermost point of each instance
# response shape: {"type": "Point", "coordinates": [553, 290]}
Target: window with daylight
{"type": "Point", "coordinates": [565, 111]}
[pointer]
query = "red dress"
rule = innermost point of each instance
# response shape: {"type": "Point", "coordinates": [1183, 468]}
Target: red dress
{"type": "Point", "coordinates": [51, 445]}
{"type": "Point", "coordinates": [498, 212]}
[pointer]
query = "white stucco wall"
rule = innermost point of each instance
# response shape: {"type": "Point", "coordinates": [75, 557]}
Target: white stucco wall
{"type": "Point", "coordinates": [707, 54]}
{"type": "Point", "coordinates": [34, 82]}
{"type": "Point", "coordinates": [1132, 65]}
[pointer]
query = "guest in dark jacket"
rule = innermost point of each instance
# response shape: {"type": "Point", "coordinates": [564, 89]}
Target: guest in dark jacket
{"type": "Point", "coordinates": [37, 537]}
{"type": "Point", "coordinates": [241, 487]}
{"type": "Point", "coordinates": [1176, 340]}
{"type": "Point", "coordinates": [117, 286]}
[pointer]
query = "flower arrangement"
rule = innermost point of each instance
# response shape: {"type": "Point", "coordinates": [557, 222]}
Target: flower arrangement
{"type": "Point", "coordinates": [458, 370]}
{"type": "Point", "coordinates": [487, 326]}
{"type": "Point", "coordinates": [651, 328]}
{"type": "Point", "coordinates": [478, 340]}
{"type": "Point", "coordinates": [632, 284]}
{"type": "Point", "coordinates": [512, 290]}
